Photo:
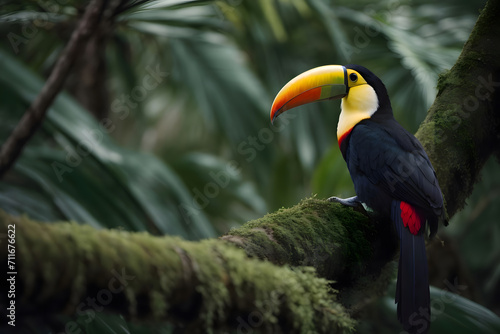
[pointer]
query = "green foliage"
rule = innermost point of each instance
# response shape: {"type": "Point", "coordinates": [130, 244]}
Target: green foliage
{"type": "Point", "coordinates": [331, 173]}
{"type": "Point", "coordinates": [72, 170]}
{"type": "Point", "coordinates": [461, 315]}
{"type": "Point", "coordinates": [244, 51]}
{"type": "Point", "coordinates": [450, 313]}
{"type": "Point", "coordinates": [477, 233]}
{"type": "Point", "coordinates": [217, 66]}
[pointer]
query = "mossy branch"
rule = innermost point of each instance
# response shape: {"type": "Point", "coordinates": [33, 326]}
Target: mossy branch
{"type": "Point", "coordinates": [71, 268]}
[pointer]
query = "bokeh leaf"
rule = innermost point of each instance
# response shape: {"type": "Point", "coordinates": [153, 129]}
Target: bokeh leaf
{"type": "Point", "coordinates": [87, 178]}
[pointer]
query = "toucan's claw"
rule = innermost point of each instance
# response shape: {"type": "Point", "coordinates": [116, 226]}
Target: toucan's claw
{"type": "Point", "coordinates": [351, 201]}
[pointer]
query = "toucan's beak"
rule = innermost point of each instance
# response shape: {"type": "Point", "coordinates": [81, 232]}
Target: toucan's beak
{"type": "Point", "coordinates": [320, 83]}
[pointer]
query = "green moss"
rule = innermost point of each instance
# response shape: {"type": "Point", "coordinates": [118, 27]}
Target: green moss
{"type": "Point", "coordinates": [328, 236]}
{"type": "Point", "coordinates": [355, 244]}
{"type": "Point", "coordinates": [162, 270]}
{"type": "Point", "coordinates": [445, 79]}
{"type": "Point", "coordinates": [487, 17]}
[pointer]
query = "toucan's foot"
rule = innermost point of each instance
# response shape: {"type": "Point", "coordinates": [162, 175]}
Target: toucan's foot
{"type": "Point", "coordinates": [351, 201]}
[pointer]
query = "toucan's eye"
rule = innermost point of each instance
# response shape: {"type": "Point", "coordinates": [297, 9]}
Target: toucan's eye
{"type": "Point", "coordinates": [353, 77]}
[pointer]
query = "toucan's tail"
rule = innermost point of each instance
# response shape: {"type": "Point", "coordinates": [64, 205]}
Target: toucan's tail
{"type": "Point", "coordinates": [412, 290]}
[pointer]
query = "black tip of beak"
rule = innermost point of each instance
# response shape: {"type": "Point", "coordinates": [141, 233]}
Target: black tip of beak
{"type": "Point", "coordinates": [276, 114]}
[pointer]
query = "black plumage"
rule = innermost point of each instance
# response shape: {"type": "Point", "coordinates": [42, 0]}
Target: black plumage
{"type": "Point", "coordinates": [388, 165]}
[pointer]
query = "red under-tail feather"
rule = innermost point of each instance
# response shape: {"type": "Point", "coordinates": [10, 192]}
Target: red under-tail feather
{"type": "Point", "coordinates": [412, 290]}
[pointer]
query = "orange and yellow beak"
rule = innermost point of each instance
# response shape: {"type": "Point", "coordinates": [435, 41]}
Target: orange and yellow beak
{"type": "Point", "coordinates": [318, 84]}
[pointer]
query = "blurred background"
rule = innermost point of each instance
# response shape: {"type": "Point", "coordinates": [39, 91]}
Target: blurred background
{"type": "Point", "coordinates": [164, 126]}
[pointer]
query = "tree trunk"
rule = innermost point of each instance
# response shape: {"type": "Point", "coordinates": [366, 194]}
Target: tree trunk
{"type": "Point", "coordinates": [461, 129]}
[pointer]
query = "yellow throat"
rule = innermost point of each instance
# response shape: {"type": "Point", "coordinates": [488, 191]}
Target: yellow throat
{"type": "Point", "coordinates": [361, 103]}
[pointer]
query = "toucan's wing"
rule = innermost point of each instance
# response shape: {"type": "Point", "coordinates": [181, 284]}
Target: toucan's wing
{"type": "Point", "coordinates": [393, 159]}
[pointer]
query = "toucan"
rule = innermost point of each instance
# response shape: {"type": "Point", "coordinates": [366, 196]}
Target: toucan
{"type": "Point", "coordinates": [389, 168]}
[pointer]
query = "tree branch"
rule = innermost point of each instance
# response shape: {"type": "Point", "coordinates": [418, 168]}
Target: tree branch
{"type": "Point", "coordinates": [65, 267]}
{"type": "Point", "coordinates": [347, 247]}
{"type": "Point", "coordinates": [33, 117]}
{"type": "Point", "coordinates": [88, 79]}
